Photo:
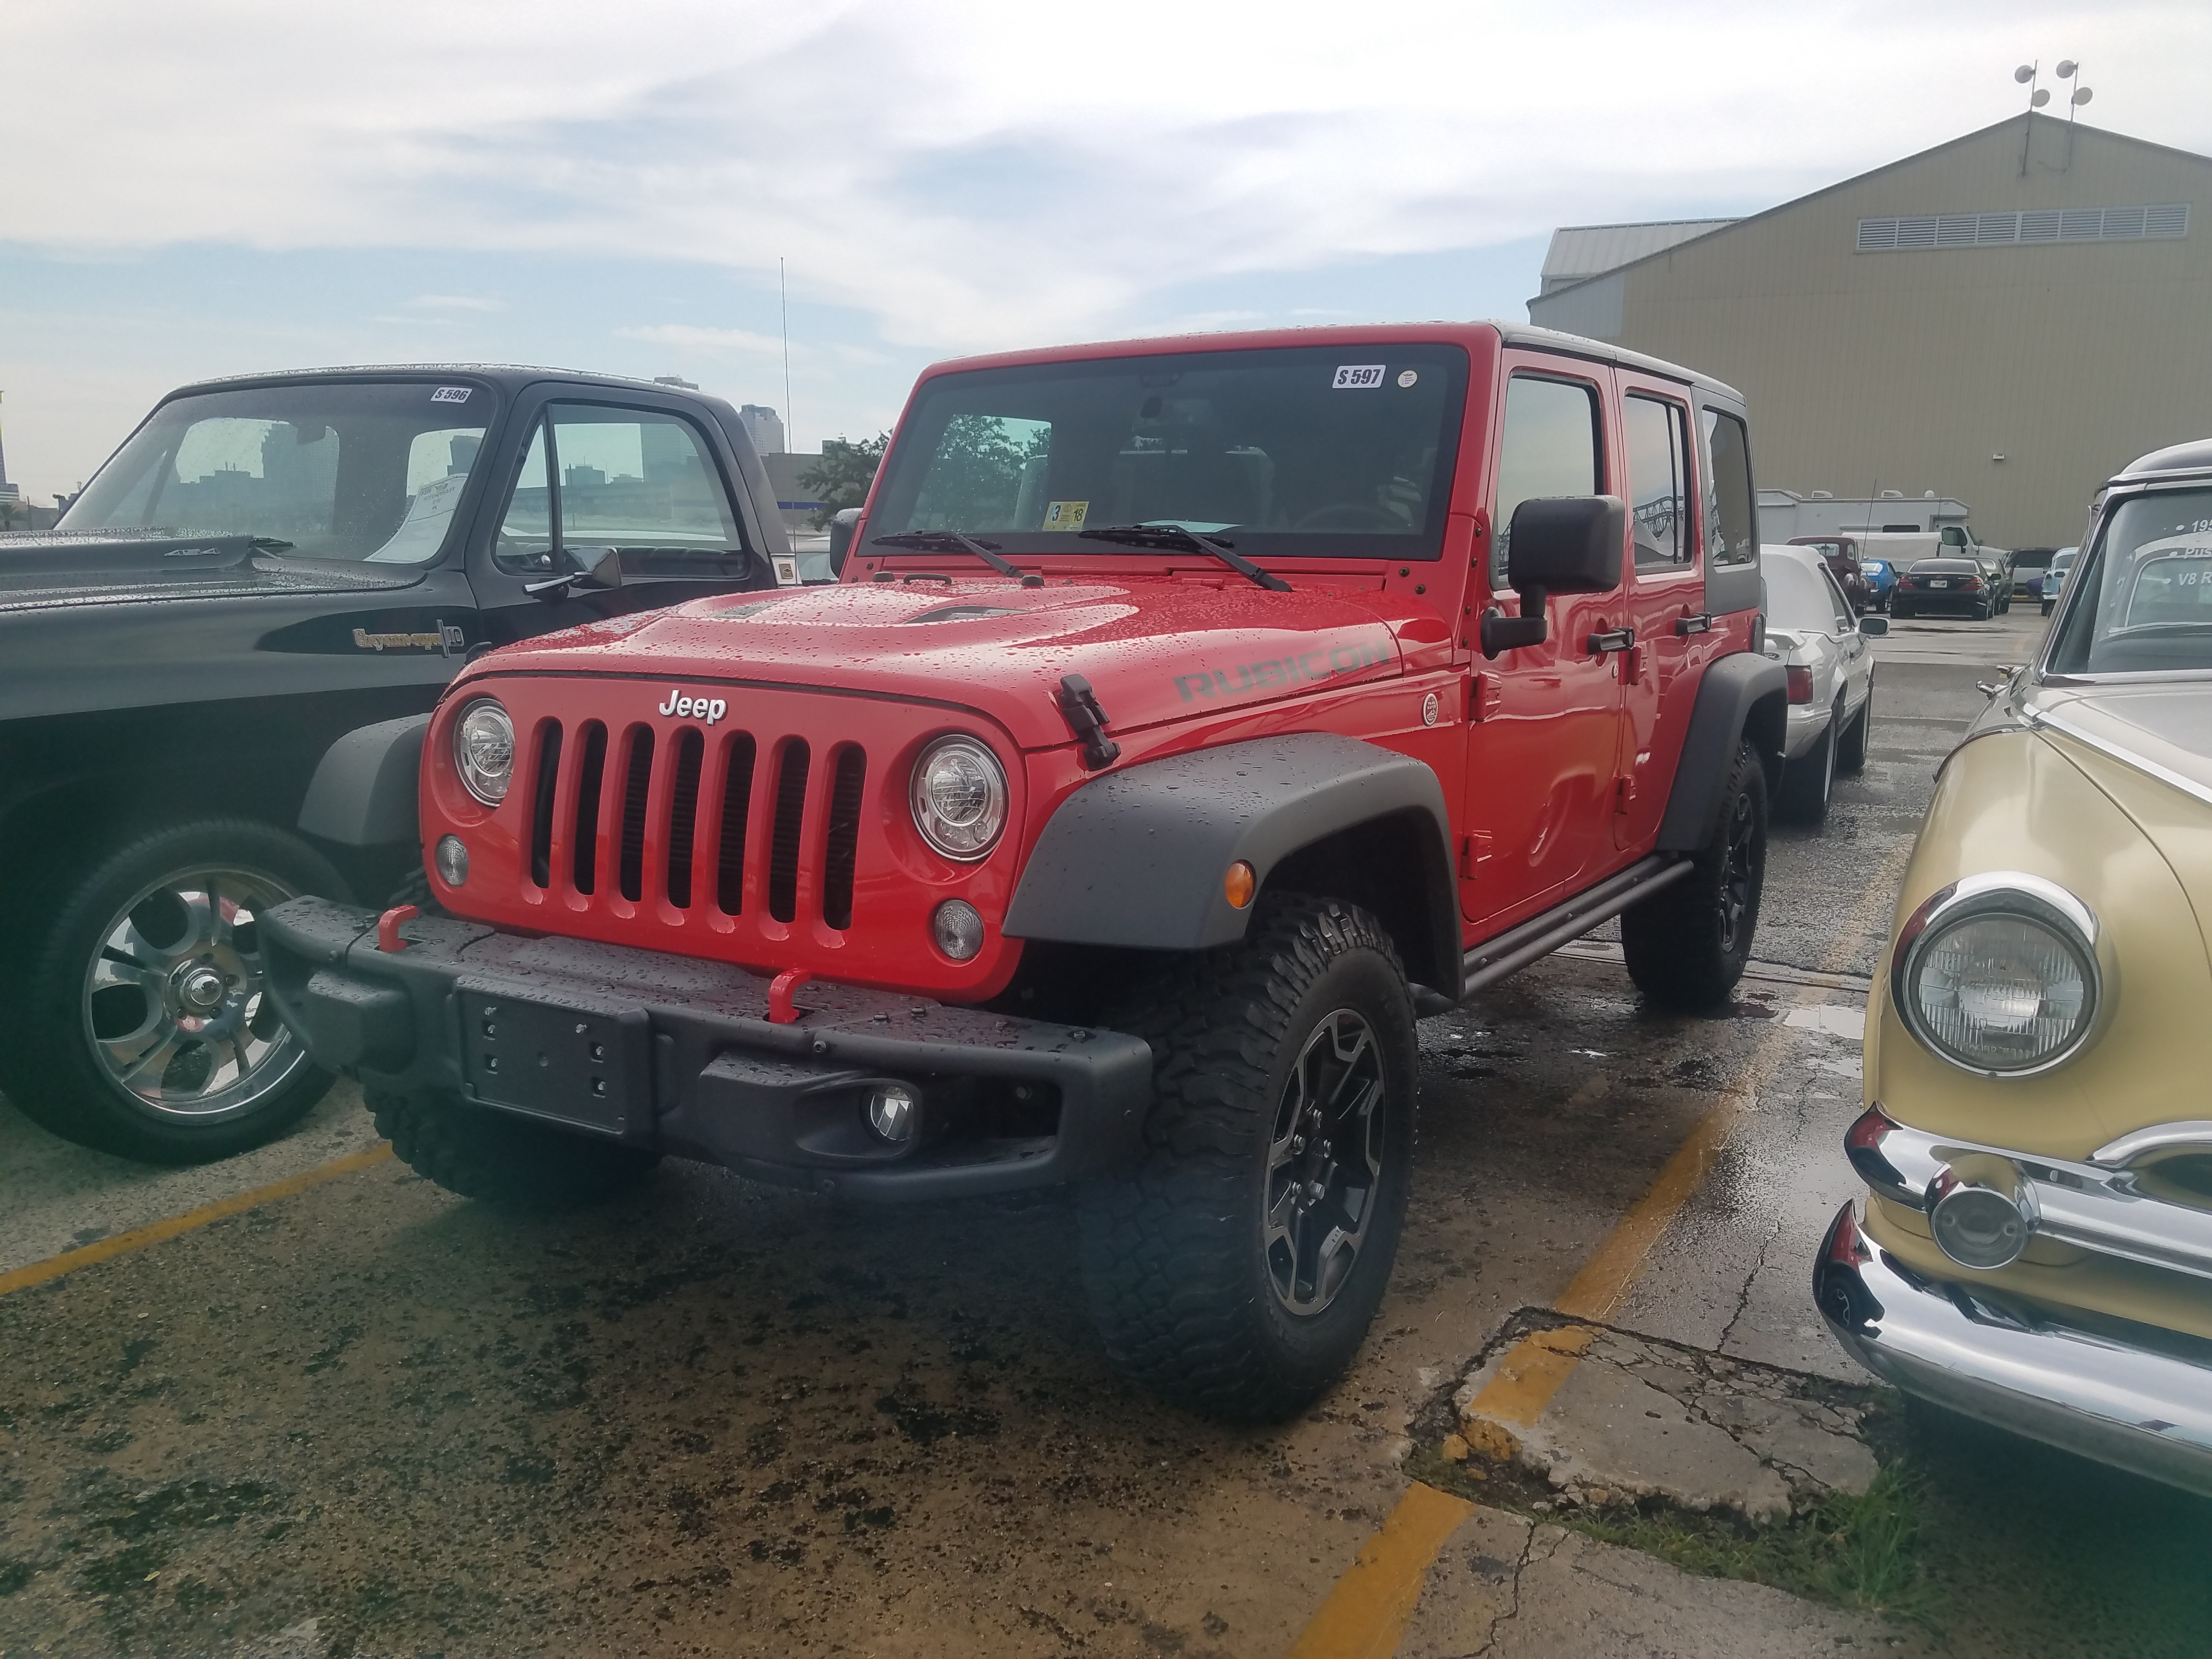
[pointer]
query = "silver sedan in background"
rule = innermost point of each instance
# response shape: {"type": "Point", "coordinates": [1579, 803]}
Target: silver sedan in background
{"type": "Point", "coordinates": [1814, 633]}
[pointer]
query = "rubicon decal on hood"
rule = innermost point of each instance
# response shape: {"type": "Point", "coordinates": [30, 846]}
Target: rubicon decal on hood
{"type": "Point", "coordinates": [1269, 673]}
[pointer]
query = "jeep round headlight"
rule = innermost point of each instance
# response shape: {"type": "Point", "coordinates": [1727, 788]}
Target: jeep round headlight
{"type": "Point", "coordinates": [959, 797]}
{"type": "Point", "coordinates": [483, 751]}
{"type": "Point", "coordinates": [1998, 974]}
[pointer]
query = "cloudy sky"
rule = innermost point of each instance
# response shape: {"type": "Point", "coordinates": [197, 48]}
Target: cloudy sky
{"type": "Point", "coordinates": [213, 187]}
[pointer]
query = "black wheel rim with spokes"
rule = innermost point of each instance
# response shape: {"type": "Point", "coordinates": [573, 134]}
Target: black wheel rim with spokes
{"type": "Point", "coordinates": [1736, 875]}
{"type": "Point", "coordinates": [1324, 1162]}
{"type": "Point", "coordinates": [175, 1011]}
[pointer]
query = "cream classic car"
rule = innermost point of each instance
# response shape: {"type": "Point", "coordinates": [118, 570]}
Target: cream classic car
{"type": "Point", "coordinates": [2036, 1249]}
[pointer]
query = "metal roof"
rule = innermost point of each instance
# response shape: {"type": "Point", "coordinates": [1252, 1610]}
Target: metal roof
{"type": "Point", "coordinates": [2194, 456]}
{"type": "Point", "coordinates": [1579, 253]}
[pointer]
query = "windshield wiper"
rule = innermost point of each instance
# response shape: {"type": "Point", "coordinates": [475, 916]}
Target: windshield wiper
{"type": "Point", "coordinates": [951, 541]}
{"type": "Point", "coordinates": [1174, 536]}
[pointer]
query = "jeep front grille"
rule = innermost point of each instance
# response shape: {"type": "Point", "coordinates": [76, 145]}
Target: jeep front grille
{"type": "Point", "coordinates": [659, 793]}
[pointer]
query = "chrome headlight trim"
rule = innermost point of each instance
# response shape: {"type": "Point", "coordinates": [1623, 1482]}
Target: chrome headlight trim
{"type": "Point", "coordinates": [488, 784]}
{"type": "Point", "coordinates": [969, 843]}
{"type": "Point", "coordinates": [2020, 896]}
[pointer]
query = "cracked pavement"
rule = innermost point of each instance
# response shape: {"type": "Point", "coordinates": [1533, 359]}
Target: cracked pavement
{"type": "Point", "coordinates": [372, 1419]}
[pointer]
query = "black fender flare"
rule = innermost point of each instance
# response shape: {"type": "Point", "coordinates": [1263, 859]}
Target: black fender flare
{"type": "Point", "coordinates": [363, 793]}
{"type": "Point", "coordinates": [1743, 695]}
{"type": "Point", "coordinates": [1135, 858]}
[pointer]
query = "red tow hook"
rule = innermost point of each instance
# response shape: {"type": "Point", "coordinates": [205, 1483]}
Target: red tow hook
{"type": "Point", "coordinates": [388, 927]}
{"type": "Point", "coordinates": [781, 1010]}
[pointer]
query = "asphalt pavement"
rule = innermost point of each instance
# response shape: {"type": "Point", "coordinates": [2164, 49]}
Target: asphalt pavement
{"type": "Point", "coordinates": [367, 1417]}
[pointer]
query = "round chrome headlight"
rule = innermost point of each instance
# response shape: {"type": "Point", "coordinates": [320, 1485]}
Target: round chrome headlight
{"type": "Point", "coordinates": [1998, 974]}
{"type": "Point", "coordinates": [959, 797]}
{"type": "Point", "coordinates": [483, 751]}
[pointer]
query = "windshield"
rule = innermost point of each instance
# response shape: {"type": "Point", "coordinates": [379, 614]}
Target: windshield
{"type": "Point", "coordinates": [337, 470]}
{"type": "Point", "coordinates": [1325, 450]}
{"type": "Point", "coordinates": [2146, 601]}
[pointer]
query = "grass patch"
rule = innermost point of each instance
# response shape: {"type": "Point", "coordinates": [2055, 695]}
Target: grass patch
{"type": "Point", "coordinates": [1861, 1553]}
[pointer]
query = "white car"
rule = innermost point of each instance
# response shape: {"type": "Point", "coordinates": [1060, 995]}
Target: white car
{"type": "Point", "coordinates": [1813, 633]}
{"type": "Point", "coordinates": [2054, 579]}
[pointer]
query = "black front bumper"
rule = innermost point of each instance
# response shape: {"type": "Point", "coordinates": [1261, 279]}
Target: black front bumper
{"type": "Point", "coordinates": [679, 1055]}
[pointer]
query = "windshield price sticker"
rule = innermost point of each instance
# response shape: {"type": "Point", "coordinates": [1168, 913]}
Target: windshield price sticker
{"type": "Point", "coordinates": [451, 394]}
{"type": "Point", "coordinates": [1065, 515]}
{"type": "Point", "coordinates": [1358, 377]}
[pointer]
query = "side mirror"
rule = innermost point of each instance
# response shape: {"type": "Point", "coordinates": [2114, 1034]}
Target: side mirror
{"type": "Point", "coordinates": [1556, 545]}
{"type": "Point", "coordinates": [842, 527]}
{"type": "Point", "coordinates": [1874, 627]}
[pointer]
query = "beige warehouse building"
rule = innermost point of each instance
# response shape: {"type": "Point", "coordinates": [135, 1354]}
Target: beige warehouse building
{"type": "Point", "coordinates": [2007, 319]}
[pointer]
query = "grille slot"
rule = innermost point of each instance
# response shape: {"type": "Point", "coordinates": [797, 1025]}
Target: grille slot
{"type": "Point", "coordinates": [790, 817]}
{"type": "Point", "coordinates": [629, 869]}
{"type": "Point", "coordinates": [683, 814]}
{"type": "Point", "coordinates": [541, 806]}
{"type": "Point", "coordinates": [737, 756]}
{"type": "Point", "coordinates": [594, 765]}
{"type": "Point", "coordinates": [841, 847]}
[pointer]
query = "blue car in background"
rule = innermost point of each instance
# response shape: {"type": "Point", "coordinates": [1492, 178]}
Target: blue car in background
{"type": "Point", "coordinates": [1881, 576]}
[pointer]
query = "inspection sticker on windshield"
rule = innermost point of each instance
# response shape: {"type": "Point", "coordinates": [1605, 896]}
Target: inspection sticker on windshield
{"type": "Point", "coordinates": [451, 394]}
{"type": "Point", "coordinates": [1065, 515]}
{"type": "Point", "coordinates": [1358, 377]}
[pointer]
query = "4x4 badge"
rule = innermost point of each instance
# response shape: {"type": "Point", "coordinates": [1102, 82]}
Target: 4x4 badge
{"type": "Point", "coordinates": [707, 709]}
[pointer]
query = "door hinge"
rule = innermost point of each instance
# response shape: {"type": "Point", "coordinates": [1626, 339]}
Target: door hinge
{"type": "Point", "coordinates": [1473, 852]}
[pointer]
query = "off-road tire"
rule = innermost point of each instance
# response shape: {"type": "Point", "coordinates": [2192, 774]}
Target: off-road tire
{"type": "Point", "coordinates": [1688, 945]}
{"type": "Point", "coordinates": [1808, 783]}
{"type": "Point", "coordinates": [51, 1068]}
{"type": "Point", "coordinates": [1174, 1256]}
{"type": "Point", "coordinates": [1852, 756]}
{"type": "Point", "coordinates": [504, 1160]}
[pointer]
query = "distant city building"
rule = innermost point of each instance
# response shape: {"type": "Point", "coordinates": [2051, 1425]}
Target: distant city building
{"type": "Point", "coordinates": [2009, 318]}
{"type": "Point", "coordinates": [8, 492]}
{"type": "Point", "coordinates": [764, 427]}
{"type": "Point", "coordinates": [797, 503]}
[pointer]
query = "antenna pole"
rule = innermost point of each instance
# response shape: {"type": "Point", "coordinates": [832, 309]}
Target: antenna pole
{"type": "Point", "coordinates": [783, 303]}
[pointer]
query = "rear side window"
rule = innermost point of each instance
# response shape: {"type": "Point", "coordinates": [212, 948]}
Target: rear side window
{"type": "Point", "coordinates": [633, 479]}
{"type": "Point", "coordinates": [1549, 447]}
{"type": "Point", "coordinates": [1730, 536]}
{"type": "Point", "coordinates": [1658, 435]}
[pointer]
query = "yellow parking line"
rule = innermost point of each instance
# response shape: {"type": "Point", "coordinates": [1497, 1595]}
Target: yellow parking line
{"type": "Point", "coordinates": [22, 1278]}
{"type": "Point", "coordinates": [1366, 1613]}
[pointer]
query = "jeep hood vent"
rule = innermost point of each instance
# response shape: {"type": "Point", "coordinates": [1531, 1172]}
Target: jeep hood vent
{"type": "Point", "coordinates": [945, 613]}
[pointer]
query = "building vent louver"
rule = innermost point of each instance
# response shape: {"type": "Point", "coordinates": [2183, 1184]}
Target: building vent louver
{"type": "Point", "coordinates": [2168, 222]}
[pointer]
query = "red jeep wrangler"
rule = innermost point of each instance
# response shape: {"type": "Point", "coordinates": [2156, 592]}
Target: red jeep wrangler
{"type": "Point", "coordinates": [1191, 717]}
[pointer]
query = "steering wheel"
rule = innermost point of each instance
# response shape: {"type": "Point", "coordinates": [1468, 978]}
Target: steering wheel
{"type": "Point", "coordinates": [1348, 515]}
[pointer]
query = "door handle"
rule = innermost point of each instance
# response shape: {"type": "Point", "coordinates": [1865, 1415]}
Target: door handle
{"type": "Point", "coordinates": [1616, 639]}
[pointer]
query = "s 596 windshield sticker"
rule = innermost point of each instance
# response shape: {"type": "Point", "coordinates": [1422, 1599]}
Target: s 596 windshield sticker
{"type": "Point", "coordinates": [452, 394]}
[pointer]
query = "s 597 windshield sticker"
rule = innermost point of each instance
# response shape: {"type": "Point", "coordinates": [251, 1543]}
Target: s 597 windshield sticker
{"type": "Point", "coordinates": [1358, 377]}
{"type": "Point", "coordinates": [1271, 672]}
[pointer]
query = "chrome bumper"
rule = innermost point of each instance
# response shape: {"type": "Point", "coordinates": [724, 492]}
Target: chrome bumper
{"type": "Point", "coordinates": [2095, 1206]}
{"type": "Point", "coordinates": [2103, 1394]}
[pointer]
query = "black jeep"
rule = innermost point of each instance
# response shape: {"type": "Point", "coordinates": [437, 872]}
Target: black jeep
{"type": "Point", "coordinates": [266, 564]}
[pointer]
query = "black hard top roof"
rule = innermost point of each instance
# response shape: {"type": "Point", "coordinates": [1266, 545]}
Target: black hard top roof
{"type": "Point", "coordinates": [2194, 457]}
{"type": "Point", "coordinates": [507, 378]}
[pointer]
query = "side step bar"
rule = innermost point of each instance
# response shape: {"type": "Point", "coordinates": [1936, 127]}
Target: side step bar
{"type": "Point", "coordinates": [1539, 936]}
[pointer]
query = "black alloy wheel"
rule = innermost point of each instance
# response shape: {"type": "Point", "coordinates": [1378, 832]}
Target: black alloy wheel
{"type": "Point", "coordinates": [1688, 945]}
{"type": "Point", "coordinates": [1235, 1270]}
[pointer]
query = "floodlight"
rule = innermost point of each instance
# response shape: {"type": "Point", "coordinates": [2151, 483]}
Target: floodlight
{"type": "Point", "coordinates": [2066, 68]}
{"type": "Point", "coordinates": [2024, 74]}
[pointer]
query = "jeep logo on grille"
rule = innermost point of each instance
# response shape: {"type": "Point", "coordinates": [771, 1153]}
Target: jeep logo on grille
{"type": "Point", "coordinates": [708, 709]}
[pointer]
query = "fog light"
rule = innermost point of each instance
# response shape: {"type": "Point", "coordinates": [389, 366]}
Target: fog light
{"type": "Point", "coordinates": [892, 1113]}
{"type": "Point", "coordinates": [1983, 1212]}
{"type": "Point", "coordinates": [453, 860]}
{"type": "Point", "coordinates": [958, 927]}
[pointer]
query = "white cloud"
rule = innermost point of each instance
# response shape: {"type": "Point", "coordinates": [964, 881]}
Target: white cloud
{"type": "Point", "coordinates": [687, 337]}
{"type": "Point", "coordinates": [452, 302]}
{"type": "Point", "coordinates": [977, 173]}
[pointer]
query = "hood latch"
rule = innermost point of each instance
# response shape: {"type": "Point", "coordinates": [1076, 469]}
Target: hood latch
{"type": "Point", "coordinates": [1078, 706]}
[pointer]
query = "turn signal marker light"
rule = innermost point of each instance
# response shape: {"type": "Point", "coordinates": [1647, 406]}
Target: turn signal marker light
{"type": "Point", "coordinates": [1238, 884]}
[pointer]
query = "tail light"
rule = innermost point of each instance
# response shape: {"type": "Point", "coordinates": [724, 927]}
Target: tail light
{"type": "Point", "coordinates": [1973, 584]}
{"type": "Point", "coordinates": [1800, 683]}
